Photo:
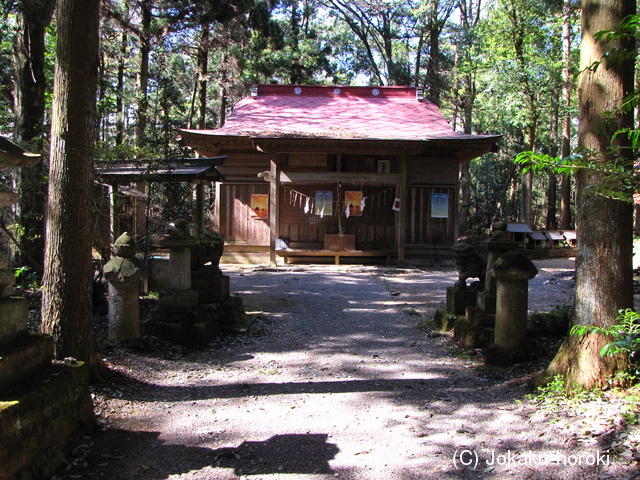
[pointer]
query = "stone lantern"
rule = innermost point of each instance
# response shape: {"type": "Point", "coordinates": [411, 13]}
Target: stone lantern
{"type": "Point", "coordinates": [512, 272]}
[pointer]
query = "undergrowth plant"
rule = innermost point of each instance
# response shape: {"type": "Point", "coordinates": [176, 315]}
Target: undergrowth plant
{"type": "Point", "coordinates": [625, 335]}
{"type": "Point", "coordinates": [555, 397]}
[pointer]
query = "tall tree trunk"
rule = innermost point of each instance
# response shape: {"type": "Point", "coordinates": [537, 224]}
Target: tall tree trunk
{"type": "Point", "coordinates": [416, 70]}
{"type": "Point", "coordinates": [143, 73]}
{"type": "Point", "coordinates": [31, 85]}
{"type": "Point", "coordinates": [68, 275]}
{"type": "Point", "coordinates": [223, 106]}
{"type": "Point", "coordinates": [120, 113]}
{"type": "Point", "coordinates": [518, 40]}
{"type": "Point", "coordinates": [203, 69]}
{"type": "Point", "coordinates": [469, 17]}
{"type": "Point", "coordinates": [604, 256]}
{"type": "Point", "coordinates": [465, 172]}
{"type": "Point", "coordinates": [565, 184]}
{"type": "Point", "coordinates": [433, 69]}
{"type": "Point", "coordinates": [552, 193]}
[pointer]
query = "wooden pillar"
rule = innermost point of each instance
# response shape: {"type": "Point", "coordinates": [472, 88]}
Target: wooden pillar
{"type": "Point", "coordinates": [199, 216]}
{"type": "Point", "coordinates": [274, 214]}
{"type": "Point", "coordinates": [402, 214]}
{"type": "Point", "coordinates": [217, 208]}
{"type": "Point", "coordinates": [114, 221]}
{"type": "Point", "coordinates": [456, 211]}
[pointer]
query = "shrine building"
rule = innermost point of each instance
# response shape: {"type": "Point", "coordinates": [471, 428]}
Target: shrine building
{"type": "Point", "coordinates": [330, 173]}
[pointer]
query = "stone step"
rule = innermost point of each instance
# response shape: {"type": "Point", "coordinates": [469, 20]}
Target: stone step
{"type": "Point", "coordinates": [41, 419]}
{"type": "Point", "coordinates": [25, 356]}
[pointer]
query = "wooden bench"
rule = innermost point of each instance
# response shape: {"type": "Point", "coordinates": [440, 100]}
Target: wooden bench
{"type": "Point", "coordinates": [290, 252]}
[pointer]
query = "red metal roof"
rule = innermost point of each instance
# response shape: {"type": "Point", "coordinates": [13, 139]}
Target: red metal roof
{"type": "Point", "coordinates": [383, 113]}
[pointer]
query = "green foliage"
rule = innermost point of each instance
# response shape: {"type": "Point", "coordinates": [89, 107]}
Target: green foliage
{"type": "Point", "coordinates": [625, 335]}
{"type": "Point", "coordinates": [554, 396]}
{"type": "Point", "coordinates": [619, 179]}
{"type": "Point", "coordinates": [491, 177]}
{"type": "Point", "coordinates": [27, 278]}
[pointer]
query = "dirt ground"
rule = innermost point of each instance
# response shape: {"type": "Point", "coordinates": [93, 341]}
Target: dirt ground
{"type": "Point", "coordinates": [335, 380]}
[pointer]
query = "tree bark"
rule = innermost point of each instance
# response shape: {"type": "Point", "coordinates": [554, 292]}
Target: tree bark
{"type": "Point", "coordinates": [31, 86]}
{"type": "Point", "coordinates": [68, 276]}
{"type": "Point", "coordinates": [552, 193]}
{"type": "Point", "coordinates": [604, 255]}
{"type": "Point", "coordinates": [469, 18]}
{"type": "Point", "coordinates": [203, 69]}
{"type": "Point", "coordinates": [120, 113]}
{"type": "Point", "coordinates": [565, 184]}
{"type": "Point", "coordinates": [143, 73]}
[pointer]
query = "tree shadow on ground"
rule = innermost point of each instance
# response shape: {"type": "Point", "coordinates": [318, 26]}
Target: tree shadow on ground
{"type": "Point", "coordinates": [281, 454]}
{"type": "Point", "coordinates": [405, 390]}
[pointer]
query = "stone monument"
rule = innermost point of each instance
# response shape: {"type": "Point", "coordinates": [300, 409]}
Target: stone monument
{"type": "Point", "coordinates": [124, 272]}
{"type": "Point", "coordinates": [194, 310]}
{"type": "Point", "coordinates": [179, 243]}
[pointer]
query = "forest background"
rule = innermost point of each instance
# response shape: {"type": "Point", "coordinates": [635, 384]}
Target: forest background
{"type": "Point", "coordinates": [493, 67]}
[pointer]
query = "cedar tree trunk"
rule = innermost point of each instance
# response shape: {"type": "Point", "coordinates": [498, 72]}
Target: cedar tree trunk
{"type": "Point", "coordinates": [603, 260]}
{"type": "Point", "coordinates": [68, 275]}
{"type": "Point", "coordinates": [31, 86]}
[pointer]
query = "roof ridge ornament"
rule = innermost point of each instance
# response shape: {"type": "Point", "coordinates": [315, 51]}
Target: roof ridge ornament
{"type": "Point", "coordinates": [254, 91]}
{"type": "Point", "coordinates": [420, 94]}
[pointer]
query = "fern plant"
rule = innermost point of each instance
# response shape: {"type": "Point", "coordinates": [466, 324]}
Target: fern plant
{"type": "Point", "coordinates": [625, 335]}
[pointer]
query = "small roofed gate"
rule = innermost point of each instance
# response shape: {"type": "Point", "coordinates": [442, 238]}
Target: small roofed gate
{"type": "Point", "coordinates": [430, 215]}
{"type": "Point", "coordinates": [238, 222]}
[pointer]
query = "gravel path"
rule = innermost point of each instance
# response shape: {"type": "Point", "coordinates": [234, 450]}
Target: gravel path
{"type": "Point", "coordinates": [334, 381]}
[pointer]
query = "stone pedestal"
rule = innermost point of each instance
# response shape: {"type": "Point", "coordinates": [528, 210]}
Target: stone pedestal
{"type": "Point", "coordinates": [124, 273]}
{"type": "Point", "coordinates": [458, 299]}
{"type": "Point", "coordinates": [179, 300]}
{"type": "Point", "coordinates": [198, 304]}
{"type": "Point", "coordinates": [512, 272]}
{"type": "Point", "coordinates": [212, 287]}
{"type": "Point", "coordinates": [179, 243]}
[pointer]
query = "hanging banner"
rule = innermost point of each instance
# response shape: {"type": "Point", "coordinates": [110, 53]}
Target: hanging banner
{"type": "Point", "coordinates": [259, 205]}
{"type": "Point", "coordinates": [324, 203]}
{"type": "Point", "coordinates": [353, 203]}
{"type": "Point", "coordinates": [439, 205]}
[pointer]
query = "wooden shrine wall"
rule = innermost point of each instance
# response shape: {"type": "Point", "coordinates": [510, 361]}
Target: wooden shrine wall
{"type": "Point", "coordinates": [236, 220]}
{"type": "Point", "coordinates": [375, 228]}
{"type": "Point", "coordinates": [422, 227]}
